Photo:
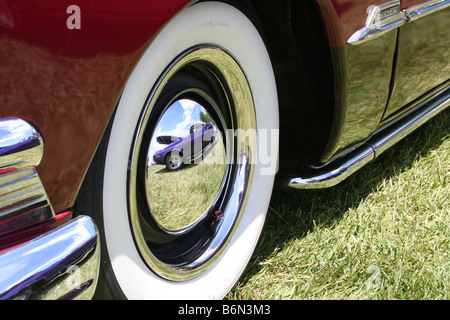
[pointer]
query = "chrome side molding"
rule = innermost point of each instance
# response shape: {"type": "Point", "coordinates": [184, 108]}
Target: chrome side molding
{"type": "Point", "coordinates": [23, 199]}
{"type": "Point", "coordinates": [389, 16]}
{"type": "Point", "coordinates": [62, 264]}
{"type": "Point", "coordinates": [425, 9]}
{"type": "Point", "coordinates": [342, 167]}
{"type": "Point", "coordinates": [381, 19]}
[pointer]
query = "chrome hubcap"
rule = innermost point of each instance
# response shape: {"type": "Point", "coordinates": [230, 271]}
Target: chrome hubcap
{"type": "Point", "coordinates": [186, 167]}
{"type": "Point", "coordinates": [190, 166]}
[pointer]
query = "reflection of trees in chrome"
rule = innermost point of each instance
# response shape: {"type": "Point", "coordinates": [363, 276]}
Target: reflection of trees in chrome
{"type": "Point", "coordinates": [206, 117]}
{"type": "Point", "coordinates": [179, 198]}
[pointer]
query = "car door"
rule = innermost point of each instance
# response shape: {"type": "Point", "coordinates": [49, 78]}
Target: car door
{"type": "Point", "coordinates": [423, 52]}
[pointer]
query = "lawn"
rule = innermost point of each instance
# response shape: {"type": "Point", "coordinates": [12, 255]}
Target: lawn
{"type": "Point", "coordinates": [382, 234]}
{"type": "Point", "coordinates": [179, 198]}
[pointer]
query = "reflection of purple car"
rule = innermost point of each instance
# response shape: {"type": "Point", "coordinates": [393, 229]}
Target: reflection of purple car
{"type": "Point", "coordinates": [182, 150]}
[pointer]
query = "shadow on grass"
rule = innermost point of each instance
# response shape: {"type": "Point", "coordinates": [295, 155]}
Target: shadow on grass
{"type": "Point", "coordinates": [293, 215]}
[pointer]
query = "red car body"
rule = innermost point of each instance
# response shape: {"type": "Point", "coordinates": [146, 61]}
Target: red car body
{"type": "Point", "coordinates": [80, 73]}
{"type": "Point", "coordinates": [67, 82]}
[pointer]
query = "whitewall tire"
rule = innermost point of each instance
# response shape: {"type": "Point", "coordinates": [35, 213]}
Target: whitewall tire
{"type": "Point", "coordinates": [202, 39]}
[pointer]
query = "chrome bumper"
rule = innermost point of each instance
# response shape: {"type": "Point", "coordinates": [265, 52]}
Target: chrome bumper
{"type": "Point", "coordinates": [61, 264]}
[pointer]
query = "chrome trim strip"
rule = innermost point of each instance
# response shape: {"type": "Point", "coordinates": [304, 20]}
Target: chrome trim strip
{"type": "Point", "coordinates": [425, 9]}
{"type": "Point", "coordinates": [61, 264]}
{"type": "Point", "coordinates": [334, 172]}
{"type": "Point", "coordinates": [388, 16]}
{"type": "Point", "coordinates": [381, 19]}
{"type": "Point", "coordinates": [342, 167]}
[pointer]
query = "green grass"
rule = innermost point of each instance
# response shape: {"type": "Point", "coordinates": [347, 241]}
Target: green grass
{"type": "Point", "coordinates": [382, 234]}
{"type": "Point", "coordinates": [179, 198]}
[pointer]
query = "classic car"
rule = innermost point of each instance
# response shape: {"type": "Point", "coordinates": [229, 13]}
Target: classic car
{"type": "Point", "coordinates": [185, 150]}
{"type": "Point", "coordinates": [311, 90]}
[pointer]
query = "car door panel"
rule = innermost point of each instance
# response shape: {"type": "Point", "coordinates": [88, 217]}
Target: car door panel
{"type": "Point", "coordinates": [422, 54]}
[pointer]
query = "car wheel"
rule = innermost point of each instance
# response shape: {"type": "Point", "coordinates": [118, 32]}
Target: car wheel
{"type": "Point", "coordinates": [173, 161]}
{"type": "Point", "coordinates": [188, 234]}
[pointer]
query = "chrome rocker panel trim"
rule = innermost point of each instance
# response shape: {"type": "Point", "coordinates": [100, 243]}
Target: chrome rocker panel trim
{"type": "Point", "coordinates": [62, 264]}
{"type": "Point", "coordinates": [342, 167]}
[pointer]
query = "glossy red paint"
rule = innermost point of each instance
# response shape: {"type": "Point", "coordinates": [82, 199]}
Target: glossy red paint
{"type": "Point", "coordinates": [342, 18]}
{"type": "Point", "coordinates": [67, 82]}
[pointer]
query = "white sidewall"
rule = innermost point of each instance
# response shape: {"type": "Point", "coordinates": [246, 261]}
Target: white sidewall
{"type": "Point", "coordinates": [224, 26]}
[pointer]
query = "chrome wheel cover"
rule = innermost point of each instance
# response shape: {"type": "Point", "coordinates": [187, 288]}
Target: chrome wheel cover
{"type": "Point", "coordinates": [175, 249]}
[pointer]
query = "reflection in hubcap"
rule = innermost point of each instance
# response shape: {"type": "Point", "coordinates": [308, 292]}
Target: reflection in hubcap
{"type": "Point", "coordinates": [186, 165]}
{"type": "Point", "coordinates": [188, 178]}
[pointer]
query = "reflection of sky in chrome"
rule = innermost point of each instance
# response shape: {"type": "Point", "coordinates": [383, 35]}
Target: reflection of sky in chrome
{"type": "Point", "coordinates": [176, 122]}
{"type": "Point", "coordinates": [14, 131]}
